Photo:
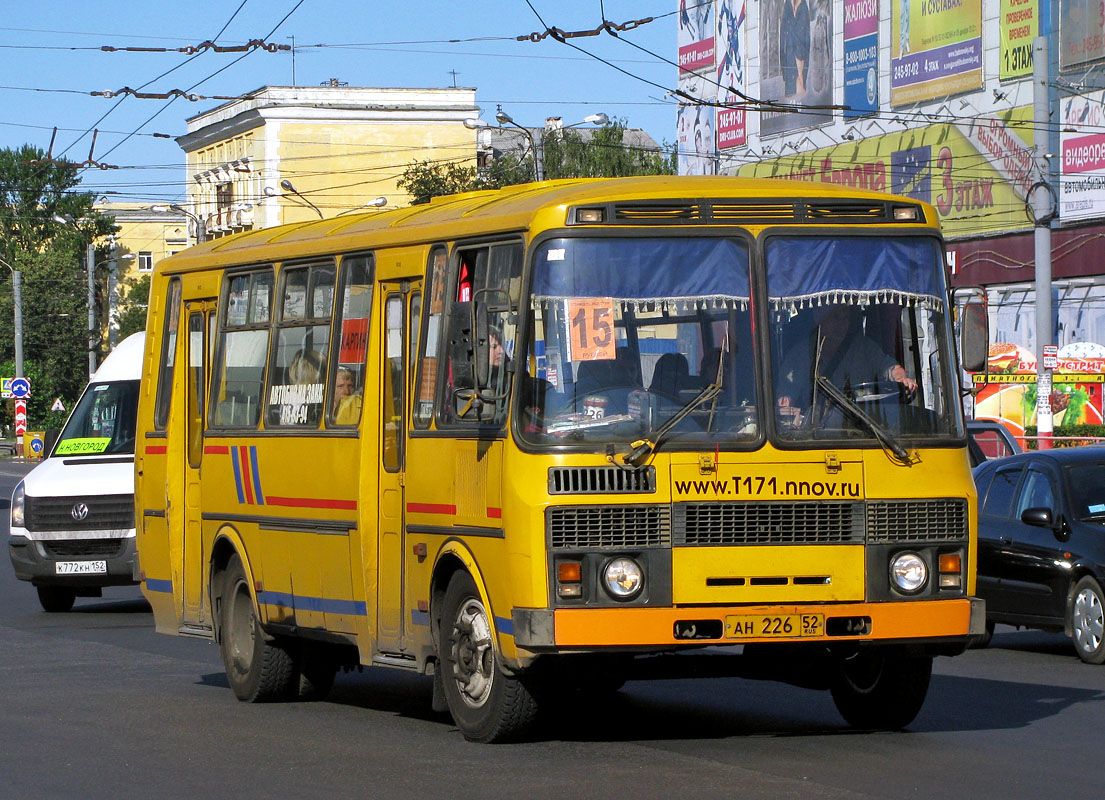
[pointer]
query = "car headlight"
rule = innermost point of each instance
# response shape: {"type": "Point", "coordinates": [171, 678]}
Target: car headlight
{"type": "Point", "coordinates": [909, 573]}
{"type": "Point", "coordinates": [623, 578]}
{"type": "Point", "coordinates": [19, 501]}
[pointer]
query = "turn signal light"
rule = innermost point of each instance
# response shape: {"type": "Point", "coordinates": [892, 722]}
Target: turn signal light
{"type": "Point", "coordinates": [569, 572]}
{"type": "Point", "coordinates": [951, 562]}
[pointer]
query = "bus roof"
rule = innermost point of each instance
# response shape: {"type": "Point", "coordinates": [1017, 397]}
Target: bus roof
{"type": "Point", "coordinates": [513, 208]}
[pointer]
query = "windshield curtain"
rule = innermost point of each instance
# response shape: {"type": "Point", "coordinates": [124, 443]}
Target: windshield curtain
{"type": "Point", "coordinates": [626, 332]}
{"type": "Point", "coordinates": [868, 315]}
{"type": "Point", "coordinates": [103, 422]}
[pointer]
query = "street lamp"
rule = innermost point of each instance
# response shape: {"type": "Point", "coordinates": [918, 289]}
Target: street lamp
{"type": "Point", "coordinates": [504, 118]}
{"type": "Point", "coordinates": [201, 226]}
{"type": "Point", "coordinates": [287, 186]}
{"type": "Point", "coordinates": [378, 202]}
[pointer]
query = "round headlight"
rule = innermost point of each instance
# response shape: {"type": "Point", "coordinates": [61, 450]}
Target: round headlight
{"type": "Point", "coordinates": [909, 573]}
{"type": "Point", "coordinates": [623, 578]}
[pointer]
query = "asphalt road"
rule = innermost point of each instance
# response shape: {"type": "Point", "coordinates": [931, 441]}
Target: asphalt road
{"type": "Point", "coordinates": [94, 704]}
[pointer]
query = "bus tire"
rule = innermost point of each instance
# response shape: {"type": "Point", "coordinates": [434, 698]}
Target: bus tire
{"type": "Point", "coordinates": [487, 704]}
{"type": "Point", "coordinates": [881, 691]}
{"type": "Point", "coordinates": [56, 599]}
{"type": "Point", "coordinates": [259, 668]}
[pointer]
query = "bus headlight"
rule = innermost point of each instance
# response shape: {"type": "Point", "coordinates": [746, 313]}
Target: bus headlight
{"type": "Point", "coordinates": [909, 573]}
{"type": "Point", "coordinates": [623, 578]}
{"type": "Point", "coordinates": [19, 502]}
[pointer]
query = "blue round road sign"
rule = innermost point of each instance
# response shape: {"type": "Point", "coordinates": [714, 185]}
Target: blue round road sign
{"type": "Point", "coordinates": [21, 388]}
{"type": "Point", "coordinates": [36, 445]}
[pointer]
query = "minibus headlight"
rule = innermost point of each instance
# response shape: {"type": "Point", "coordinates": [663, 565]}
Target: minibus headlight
{"type": "Point", "coordinates": [19, 501]}
{"type": "Point", "coordinates": [623, 578]}
{"type": "Point", "coordinates": [909, 573]}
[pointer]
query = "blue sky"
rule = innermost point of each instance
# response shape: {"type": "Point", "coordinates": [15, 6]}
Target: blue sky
{"type": "Point", "coordinates": [53, 63]}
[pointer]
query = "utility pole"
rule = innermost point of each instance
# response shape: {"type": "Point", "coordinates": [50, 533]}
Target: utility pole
{"type": "Point", "coordinates": [90, 259]}
{"type": "Point", "coordinates": [1042, 211]}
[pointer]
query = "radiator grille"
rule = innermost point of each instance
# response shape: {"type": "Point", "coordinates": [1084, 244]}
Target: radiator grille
{"type": "Point", "coordinates": [767, 523]}
{"type": "Point", "coordinates": [76, 548]}
{"type": "Point", "coordinates": [917, 520]}
{"type": "Point", "coordinates": [601, 480]}
{"type": "Point", "coordinates": [105, 512]}
{"type": "Point", "coordinates": [751, 211]}
{"type": "Point", "coordinates": [596, 527]}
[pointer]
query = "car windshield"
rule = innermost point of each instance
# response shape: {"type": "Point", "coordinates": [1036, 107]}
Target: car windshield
{"type": "Point", "coordinates": [102, 423]}
{"type": "Point", "coordinates": [626, 333]}
{"type": "Point", "coordinates": [1087, 490]}
{"type": "Point", "coordinates": [865, 316]}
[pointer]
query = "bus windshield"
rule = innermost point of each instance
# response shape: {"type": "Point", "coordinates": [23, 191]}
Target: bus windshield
{"type": "Point", "coordinates": [103, 421]}
{"type": "Point", "coordinates": [631, 334]}
{"type": "Point", "coordinates": [859, 338]}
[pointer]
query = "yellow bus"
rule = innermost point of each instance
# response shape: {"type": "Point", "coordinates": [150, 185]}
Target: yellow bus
{"type": "Point", "coordinates": [544, 439]}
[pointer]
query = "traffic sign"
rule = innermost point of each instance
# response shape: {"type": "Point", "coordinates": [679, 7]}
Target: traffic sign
{"type": "Point", "coordinates": [20, 417]}
{"type": "Point", "coordinates": [58, 405]}
{"type": "Point", "coordinates": [36, 444]}
{"type": "Point", "coordinates": [5, 388]}
{"type": "Point", "coordinates": [21, 387]}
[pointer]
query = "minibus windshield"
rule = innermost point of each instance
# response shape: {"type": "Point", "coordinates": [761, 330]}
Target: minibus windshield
{"type": "Point", "coordinates": [102, 423]}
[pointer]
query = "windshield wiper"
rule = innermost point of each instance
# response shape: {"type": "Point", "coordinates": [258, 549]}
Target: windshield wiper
{"type": "Point", "coordinates": [885, 438]}
{"type": "Point", "coordinates": [643, 448]}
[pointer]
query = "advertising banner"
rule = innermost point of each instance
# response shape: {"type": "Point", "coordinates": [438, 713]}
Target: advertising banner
{"type": "Point", "coordinates": [935, 47]}
{"type": "Point", "coordinates": [1082, 148]}
{"type": "Point", "coordinates": [695, 134]}
{"type": "Point", "coordinates": [1018, 25]}
{"type": "Point", "coordinates": [973, 174]}
{"type": "Point", "coordinates": [796, 64]}
{"type": "Point", "coordinates": [861, 57]}
{"type": "Point", "coordinates": [1081, 33]}
{"type": "Point", "coordinates": [695, 35]}
{"type": "Point", "coordinates": [732, 56]}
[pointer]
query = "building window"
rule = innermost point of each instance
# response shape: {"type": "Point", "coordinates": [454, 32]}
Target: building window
{"type": "Point", "coordinates": [145, 261]}
{"type": "Point", "coordinates": [224, 195]}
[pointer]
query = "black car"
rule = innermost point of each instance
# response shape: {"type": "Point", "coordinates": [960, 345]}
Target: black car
{"type": "Point", "coordinates": [1041, 543]}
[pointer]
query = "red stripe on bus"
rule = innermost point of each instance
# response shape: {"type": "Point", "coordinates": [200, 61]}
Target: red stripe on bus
{"type": "Point", "coordinates": [311, 502]}
{"type": "Point", "coordinates": [156, 449]}
{"type": "Point", "coordinates": [431, 508]}
{"type": "Point", "coordinates": [246, 473]}
{"type": "Point", "coordinates": [216, 450]}
{"type": "Point", "coordinates": [495, 513]}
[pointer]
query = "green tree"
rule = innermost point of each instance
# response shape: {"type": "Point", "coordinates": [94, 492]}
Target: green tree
{"type": "Point", "coordinates": [134, 298]}
{"type": "Point", "coordinates": [33, 191]}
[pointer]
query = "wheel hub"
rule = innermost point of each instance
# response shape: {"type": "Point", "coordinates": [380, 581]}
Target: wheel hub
{"type": "Point", "coordinates": [1089, 621]}
{"type": "Point", "coordinates": [473, 654]}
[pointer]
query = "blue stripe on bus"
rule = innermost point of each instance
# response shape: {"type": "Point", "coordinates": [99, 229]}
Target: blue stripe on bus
{"type": "Point", "coordinates": [505, 625]}
{"type": "Point", "coordinates": [159, 586]}
{"type": "Point", "coordinates": [420, 618]}
{"type": "Point", "coordinates": [304, 603]}
{"type": "Point", "coordinates": [258, 494]}
{"type": "Point", "coordinates": [237, 474]}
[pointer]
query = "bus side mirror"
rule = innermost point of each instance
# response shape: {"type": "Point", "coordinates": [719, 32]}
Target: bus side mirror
{"type": "Point", "coordinates": [974, 337]}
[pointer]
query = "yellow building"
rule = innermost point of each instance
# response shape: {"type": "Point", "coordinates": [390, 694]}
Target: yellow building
{"type": "Point", "coordinates": [281, 152]}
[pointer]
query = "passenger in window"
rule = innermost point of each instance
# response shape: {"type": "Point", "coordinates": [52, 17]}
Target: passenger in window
{"type": "Point", "coordinates": [347, 398]}
{"type": "Point", "coordinates": [306, 367]}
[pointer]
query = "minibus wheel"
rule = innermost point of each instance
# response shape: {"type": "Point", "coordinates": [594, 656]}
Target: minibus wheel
{"type": "Point", "coordinates": [259, 668]}
{"type": "Point", "coordinates": [876, 690]}
{"type": "Point", "coordinates": [487, 704]}
{"type": "Point", "coordinates": [55, 599]}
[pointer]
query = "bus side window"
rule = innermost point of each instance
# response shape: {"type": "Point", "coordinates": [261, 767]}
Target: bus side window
{"type": "Point", "coordinates": [435, 315]}
{"type": "Point", "coordinates": [302, 344]}
{"type": "Point", "coordinates": [350, 346]}
{"type": "Point", "coordinates": [236, 391]}
{"type": "Point", "coordinates": [168, 356]}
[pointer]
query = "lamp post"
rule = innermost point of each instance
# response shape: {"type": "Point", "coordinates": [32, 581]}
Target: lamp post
{"type": "Point", "coordinates": [197, 221]}
{"type": "Point", "coordinates": [17, 302]}
{"type": "Point", "coordinates": [538, 154]}
{"type": "Point", "coordinates": [504, 118]}
{"type": "Point", "coordinates": [287, 186]}
{"type": "Point", "coordinates": [378, 202]}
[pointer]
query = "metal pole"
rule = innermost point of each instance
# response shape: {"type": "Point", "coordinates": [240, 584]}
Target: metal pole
{"type": "Point", "coordinates": [17, 301]}
{"type": "Point", "coordinates": [90, 258]}
{"type": "Point", "coordinates": [112, 300]}
{"type": "Point", "coordinates": [1042, 208]}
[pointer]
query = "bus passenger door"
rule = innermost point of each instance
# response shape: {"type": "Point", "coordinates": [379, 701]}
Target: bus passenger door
{"type": "Point", "coordinates": [396, 297]}
{"type": "Point", "coordinates": [200, 315]}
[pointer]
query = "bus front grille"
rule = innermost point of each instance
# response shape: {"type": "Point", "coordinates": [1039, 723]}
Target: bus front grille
{"type": "Point", "coordinates": [601, 480]}
{"type": "Point", "coordinates": [712, 524]}
{"type": "Point", "coordinates": [597, 527]}
{"type": "Point", "coordinates": [100, 512]}
{"type": "Point", "coordinates": [942, 520]}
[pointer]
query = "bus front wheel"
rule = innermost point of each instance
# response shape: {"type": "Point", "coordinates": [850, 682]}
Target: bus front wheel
{"type": "Point", "coordinates": [487, 704]}
{"type": "Point", "coordinates": [882, 691]}
{"type": "Point", "coordinates": [259, 669]}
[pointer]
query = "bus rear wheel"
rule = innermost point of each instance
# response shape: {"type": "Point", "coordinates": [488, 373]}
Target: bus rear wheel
{"type": "Point", "coordinates": [259, 668]}
{"type": "Point", "coordinates": [881, 691]}
{"type": "Point", "coordinates": [487, 704]}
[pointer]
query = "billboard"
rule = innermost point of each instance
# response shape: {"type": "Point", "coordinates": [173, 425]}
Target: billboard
{"type": "Point", "coordinates": [1082, 147]}
{"type": "Point", "coordinates": [695, 35]}
{"type": "Point", "coordinates": [861, 57]}
{"type": "Point", "coordinates": [1018, 25]}
{"type": "Point", "coordinates": [695, 133]}
{"type": "Point", "coordinates": [935, 49]}
{"type": "Point", "coordinates": [796, 64]}
{"type": "Point", "coordinates": [731, 61]}
{"type": "Point", "coordinates": [1081, 33]}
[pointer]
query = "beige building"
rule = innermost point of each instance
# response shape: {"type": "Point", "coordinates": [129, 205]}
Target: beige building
{"type": "Point", "coordinates": [145, 237]}
{"type": "Point", "coordinates": [281, 152]}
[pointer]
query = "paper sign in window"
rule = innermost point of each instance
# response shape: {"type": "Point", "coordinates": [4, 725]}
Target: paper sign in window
{"type": "Point", "coordinates": [591, 327]}
{"type": "Point", "coordinates": [354, 341]}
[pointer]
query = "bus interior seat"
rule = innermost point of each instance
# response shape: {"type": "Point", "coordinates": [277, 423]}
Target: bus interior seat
{"type": "Point", "coordinates": [671, 375]}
